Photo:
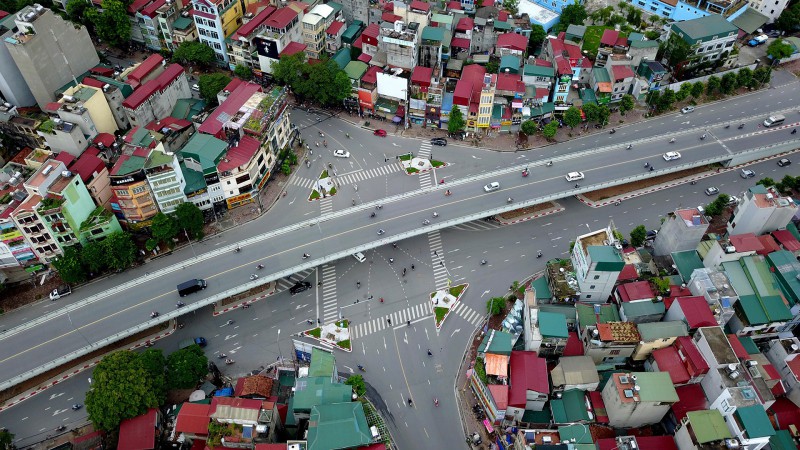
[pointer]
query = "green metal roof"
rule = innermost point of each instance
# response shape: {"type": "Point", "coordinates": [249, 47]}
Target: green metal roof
{"type": "Point", "coordinates": [656, 387]}
{"type": "Point", "coordinates": [351, 33]}
{"type": "Point", "coordinates": [587, 314]}
{"type": "Point", "coordinates": [532, 70]}
{"type": "Point", "coordinates": [206, 150]}
{"type": "Point", "coordinates": [579, 432]}
{"type": "Point", "coordinates": [704, 28]}
{"type": "Point", "coordinates": [605, 258]}
{"type": "Point", "coordinates": [760, 276]}
{"type": "Point", "coordinates": [643, 308]}
{"type": "Point", "coordinates": [442, 18]}
{"type": "Point", "coordinates": [749, 345]}
{"type": "Point", "coordinates": [543, 416]}
{"type": "Point", "coordinates": [754, 421]}
{"type": "Point", "coordinates": [546, 108]}
{"type": "Point", "coordinates": [752, 310]}
{"type": "Point", "coordinates": [708, 426]}
{"type": "Point", "coordinates": [194, 180]}
{"type": "Point", "coordinates": [322, 363]}
{"type": "Point", "coordinates": [503, 26]}
{"type": "Point", "coordinates": [158, 158]}
{"type": "Point", "coordinates": [553, 325]}
{"type": "Point", "coordinates": [634, 36]}
{"type": "Point", "coordinates": [311, 391]}
{"type": "Point", "coordinates": [786, 270]}
{"type": "Point", "coordinates": [186, 108]}
{"type": "Point", "coordinates": [336, 7]}
{"type": "Point", "coordinates": [355, 69]}
{"type": "Point", "coordinates": [431, 33]}
{"type": "Point", "coordinates": [181, 23]}
{"type": "Point", "coordinates": [601, 75]}
{"type": "Point", "coordinates": [782, 441]}
{"type": "Point", "coordinates": [510, 62]}
{"type": "Point", "coordinates": [644, 44]}
{"type": "Point", "coordinates": [497, 342]}
{"type": "Point", "coordinates": [738, 279]}
{"type": "Point", "coordinates": [342, 57]}
{"type": "Point", "coordinates": [687, 261]}
{"type": "Point", "coordinates": [776, 310]}
{"type": "Point", "coordinates": [662, 330]}
{"type": "Point", "coordinates": [542, 288]}
{"type": "Point", "coordinates": [750, 20]}
{"type": "Point", "coordinates": [132, 164]}
{"type": "Point", "coordinates": [576, 30]}
{"type": "Point", "coordinates": [758, 189]}
{"type": "Point", "coordinates": [588, 96]}
{"type": "Point", "coordinates": [793, 229]}
{"type": "Point", "coordinates": [571, 407]}
{"type": "Point", "coordinates": [342, 425]}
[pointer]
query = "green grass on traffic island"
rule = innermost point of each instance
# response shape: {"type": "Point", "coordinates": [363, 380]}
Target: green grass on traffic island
{"type": "Point", "coordinates": [436, 163]}
{"type": "Point", "coordinates": [440, 313]}
{"type": "Point", "coordinates": [316, 332]}
{"type": "Point", "coordinates": [444, 300]}
{"type": "Point", "coordinates": [314, 195]}
{"type": "Point", "coordinates": [406, 157]}
{"type": "Point", "coordinates": [411, 170]}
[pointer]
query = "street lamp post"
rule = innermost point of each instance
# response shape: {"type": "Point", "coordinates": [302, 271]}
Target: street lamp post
{"type": "Point", "coordinates": [277, 342]}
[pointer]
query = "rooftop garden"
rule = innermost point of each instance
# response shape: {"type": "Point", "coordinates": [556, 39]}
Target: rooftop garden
{"type": "Point", "coordinates": [99, 216]}
{"type": "Point", "coordinates": [47, 126]}
{"type": "Point", "coordinates": [49, 203]}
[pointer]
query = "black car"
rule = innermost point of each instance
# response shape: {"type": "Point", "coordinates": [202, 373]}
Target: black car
{"type": "Point", "coordinates": [299, 287]}
{"type": "Point", "coordinates": [439, 141]}
{"type": "Point", "coordinates": [783, 162]}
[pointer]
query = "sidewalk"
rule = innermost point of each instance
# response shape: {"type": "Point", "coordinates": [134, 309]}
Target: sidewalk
{"type": "Point", "coordinates": [534, 214]}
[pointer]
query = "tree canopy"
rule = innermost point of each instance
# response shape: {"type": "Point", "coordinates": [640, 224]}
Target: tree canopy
{"type": "Point", "coordinates": [456, 121]}
{"type": "Point", "coordinates": [186, 367]}
{"type": "Point", "coordinates": [194, 52]}
{"type": "Point", "coordinates": [572, 117]}
{"type": "Point", "coordinates": [549, 131]}
{"type": "Point", "coordinates": [243, 72]}
{"type": "Point", "coordinates": [638, 236]}
{"type": "Point", "coordinates": [779, 49]}
{"type": "Point", "coordinates": [112, 25]}
{"type": "Point", "coordinates": [69, 265]}
{"type": "Point", "coordinates": [529, 127]}
{"type": "Point", "coordinates": [211, 84]}
{"type": "Point", "coordinates": [163, 228]}
{"type": "Point", "coordinates": [789, 20]}
{"type": "Point", "coordinates": [573, 14]}
{"type": "Point", "coordinates": [121, 389]}
{"type": "Point", "coordinates": [537, 37]}
{"type": "Point", "coordinates": [675, 50]}
{"type": "Point", "coordinates": [323, 82]}
{"type": "Point", "coordinates": [190, 218]}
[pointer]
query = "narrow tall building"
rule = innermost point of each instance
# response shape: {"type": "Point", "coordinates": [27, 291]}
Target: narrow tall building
{"type": "Point", "coordinates": [49, 51]}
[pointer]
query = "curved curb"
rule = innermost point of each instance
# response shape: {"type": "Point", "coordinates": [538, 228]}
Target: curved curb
{"type": "Point", "coordinates": [450, 309]}
{"type": "Point", "coordinates": [420, 172]}
{"type": "Point", "coordinates": [531, 217]}
{"type": "Point", "coordinates": [246, 302]}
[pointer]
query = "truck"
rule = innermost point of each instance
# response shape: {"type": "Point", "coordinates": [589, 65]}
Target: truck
{"type": "Point", "coordinates": [60, 292]}
{"type": "Point", "coordinates": [191, 286]}
{"type": "Point", "coordinates": [758, 40]}
{"type": "Point", "coordinates": [201, 341]}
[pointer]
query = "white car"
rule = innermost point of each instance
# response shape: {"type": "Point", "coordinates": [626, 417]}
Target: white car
{"type": "Point", "coordinates": [341, 154]}
{"type": "Point", "coordinates": [687, 109]}
{"type": "Point", "coordinates": [196, 88]}
{"type": "Point", "coordinates": [574, 176]}
{"type": "Point", "coordinates": [669, 156]}
{"type": "Point", "coordinates": [493, 186]}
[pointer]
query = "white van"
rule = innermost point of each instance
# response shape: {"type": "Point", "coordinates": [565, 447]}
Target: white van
{"type": "Point", "coordinates": [359, 257]}
{"type": "Point", "coordinates": [773, 120]}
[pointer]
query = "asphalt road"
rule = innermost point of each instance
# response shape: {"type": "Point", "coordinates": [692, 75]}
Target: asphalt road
{"type": "Point", "coordinates": [395, 356]}
{"type": "Point", "coordinates": [336, 226]}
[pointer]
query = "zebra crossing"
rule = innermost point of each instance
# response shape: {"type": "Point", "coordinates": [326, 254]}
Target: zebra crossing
{"type": "Point", "coordinates": [440, 274]}
{"type": "Point", "coordinates": [425, 150]}
{"type": "Point", "coordinates": [349, 178]}
{"type": "Point", "coordinates": [478, 225]}
{"type": "Point", "coordinates": [287, 282]}
{"type": "Point", "coordinates": [326, 205]}
{"type": "Point", "coordinates": [467, 313]}
{"type": "Point", "coordinates": [398, 317]}
{"type": "Point", "coordinates": [330, 310]}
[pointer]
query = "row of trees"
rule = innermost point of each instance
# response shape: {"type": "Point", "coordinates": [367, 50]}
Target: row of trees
{"type": "Point", "coordinates": [116, 252]}
{"type": "Point", "coordinates": [787, 186]}
{"type": "Point", "coordinates": [165, 228]}
{"type": "Point", "coordinates": [572, 117]}
{"type": "Point", "coordinates": [323, 82]}
{"type": "Point", "coordinates": [126, 384]}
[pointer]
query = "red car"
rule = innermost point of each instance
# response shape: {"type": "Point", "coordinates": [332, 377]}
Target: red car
{"type": "Point", "coordinates": [381, 133]}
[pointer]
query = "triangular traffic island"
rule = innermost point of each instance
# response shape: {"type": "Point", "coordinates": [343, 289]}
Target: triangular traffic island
{"type": "Point", "coordinates": [324, 187]}
{"type": "Point", "coordinates": [444, 300]}
{"type": "Point", "coordinates": [336, 334]}
{"type": "Point", "coordinates": [413, 165]}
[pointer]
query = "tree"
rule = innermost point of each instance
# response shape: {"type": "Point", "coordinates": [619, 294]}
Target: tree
{"type": "Point", "coordinates": [529, 127]}
{"type": "Point", "coordinates": [712, 85]}
{"type": "Point", "coordinates": [549, 131]}
{"type": "Point", "coordinates": [121, 389]}
{"type": "Point", "coordinates": [716, 207]}
{"type": "Point", "coordinates": [512, 6]}
{"type": "Point", "coordinates": [666, 100]}
{"type": "Point", "coordinates": [684, 92]}
{"type": "Point", "coordinates": [492, 66]}
{"type": "Point", "coordinates": [638, 236]}
{"type": "Point", "coordinates": [357, 381]}
{"type": "Point", "coordinates": [697, 89]}
{"type": "Point", "coordinates": [194, 52]}
{"type": "Point", "coordinates": [626, 104]}
{"type": "Point", "coordinates": [120, 250]}
{"type": "Point", "coordinates": [163, 228]}
{"type": "Point", "coordinates": [603, 114]}
{"type": "Point", "coordinates": [112, 25]}
{"type": "Point", "coordinates": [93, 257]}
{"type": "Point", "coordinates": [456, 122]}
{"type": "Point", "coordinates": [536, 38]}
{"type": "Point", "coordinates": [675, 50]}
{"type": "Point", "coordinates": [287, 70]}
{"type": "Point", "coordinates": [186, 367]}
{"type": "Point", "coordinates": [495, 305]}
{"type": "Point", "coordinates": [211, 84]}
{"type": "Point", "coordinates": [243, 72]}
{"type": "Point", "coordinates": [789, 20]}
{"type": "Point", "coordinates": [634, 16]}
{"type": "Point", "coordinates": [190, 218]}
{"type": "Point", "coordinates": [154, 363]}
{"type": "Point", "coordinates": [574, 14]}
{"type": "Point", "coordinates": [761, 75]}
{"type": "Point", "coordinates": [728, 83]}
{"type": "Point", "coordinates": [76, 10]}
{"type": "Point", "coordinates": [766, 182]}
{"type": "Point", "coordinates": [744, 77]}
{"type": "Point", "coordinates": [592, 112]}
{"type": "Point", "coordinates": [69, 265]}
{"type": "Point", "coordinates": [779, 49]}
{"type": "Point", "coordinates": [6, 440]}
{"type": "Point", "coordinates": [572, 117]}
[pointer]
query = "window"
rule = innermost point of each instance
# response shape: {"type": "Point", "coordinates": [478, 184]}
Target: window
{"type": "Point", "coordinates": [614, 352]}
{"type": "Point", "coordinates": [597, 277]}
{"type": "Point", "coordinates": [589, 296]}
{"type": "Point", "coordinates": [592, 287]}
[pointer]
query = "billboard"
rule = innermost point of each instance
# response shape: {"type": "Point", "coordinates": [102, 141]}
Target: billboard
{"type": "Point", "coordinates": [266, 47]}
{"type": "Point", "coordinates": [392, 86]}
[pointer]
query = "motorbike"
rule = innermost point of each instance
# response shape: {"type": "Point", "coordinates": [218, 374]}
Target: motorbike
{"type": "Point", "coordinates": [361, 368]}
{"type": "Point", "coordinates": [741, 126]}
{"type": "Point", "coordinates": [325, 144]}
{"type": "Point", "coordinates": [222, 356]}
{"type": "Point", "coordinates": [483, 262]}
{"type": "Point", "coordinates": [76, 406]}
{"type": "Point", "coordinates": [524, 173]}
{"type": "Point", "coordinates": [646, 165]}
{"type": "Point", "coordinates": [436, 401]}
{"type": "Point", "coordinates": [306, 255]}
{"type": "Point", "coordinates": [435, 214]}
{"type": "Point", "coordinates": [180, 305]}
{"type": "Point", "coordinates": [229, 362]}
{"type": "Point", "coordinates": [447, 192]}
{"type": "Point", "coordinates": [539, 255]}
{"type": "Point", "coordinates": [672, 141]}
{"type": "Point", "coordinates": [253, 277]}
{"type": "Point", "coordinates": [612, 131]}
{"type": "Point", "coordinates": [794, 131]}
{"type": "Point", "coordinates": [652, 168]}
{"type": "Point", "coordinates": [380, 232]}
{"type": "Point", "coordinates": [153, 314]}
{"type": "Point", "coordinates": [549, 163]}
{"type": "Point", "coordinates": [238, 249]}
{"type": "Point", "coordinates": [61, 428]}
{"type": "Point", "coordinates": [629, 146]}
{"type": "Point", "coordinates": [426, 222]}
{"type": "Point", "coordinates": [372, 215]}
{"type": "Point", "coordinates": [260, 266]}
{"type": "Point", "coordinates": [509, 200]}
{"type": "Point", "coordinates": [727, 126]}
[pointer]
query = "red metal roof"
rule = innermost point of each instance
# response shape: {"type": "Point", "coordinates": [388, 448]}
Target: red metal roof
{"type": "Point", "coordinates": [87, 166]}
{"type": "Point", "coordinates": [465, 24]}
{"type": "Point", "coordinates": [147, 66]}
{"type": "Point", "coordinates": [255, 22]}
{"type": "Point", "coordinates": [513, 41]}
{"type": "Point", "coordinates": [460, 43]}
{"type": "Point", "coordinates": [694, 363]}
{"type": "Point", "coordinates": [769, 244]}
{"type": "Point", "coordinates": [372, 31]}
{"type": "Point", "coordinates": [746, 243]}
{"type": "Point", "coordinates": [242, 403]}
{"type": "Point", "coordinates": [104, 71]}
{"type": "Point", "coordinates": [136, 5]}
{"type": "Point", "coordinates": [499, 395]}
{"type": "Point", "coordinates": [168, 122]}
{"type": "Point", "coordinates": [422, 76]}
{"type": "Point", "coordinates": [669, 361]}
{"type": "Point", "coordinates": [656, 442]}
{"type": "Point", "coordinates": [454, 6]}
{"type": "Point", "coordinates": [3, 14]}
{"type": "Point", "coordinates": [697, 312]}
{"type": "Point", "coordinates": [785, 413]}
{"type": "Point", "coordinates": [510, 82]}
{"type": "Point", "coordinates": [65, 157]}
{"type": "Point", "coordinates": [390, 17]}
{"type": "Point", "coordinates": [621, 72]}
{"type": "Point", "coordinates": [52, 107]}
{"type": "Point", "coordinates": [335, 27]}
{"type": "Point", "coordinates": [772, 372]}
{"type": "Point", "coordinates": [358, 42]}
{"type": "Point", "coordinates": [371, 75]}
{"type": "Point", "coordinates": [93, 82]}
{"type": "Point", "coordinates": [239, 155]}
{"type": "Point", "coordinates": [638, 290]}
{"type": "Point", "coordinates": [292, 48]}
{"type": "Point", "coordinates": [282, 18]}
{"type": "Point", "coordinates": [787, 240]}
{"type": "Point", "coordinates": [150, 10]}
{"type": "Point", "coordinates": [574, 346]}
{"type": "Point", "coordinates": [737, 347]}
{"type": "Point", "coordinates": [562, 65]}
{"type": "Point", "coordinates": [212, 125]}
{"type": "Point", "coordinates": [365, 58]}
{"type": "Point", "coordinates": [598, 406]}
{"type": "Point", "coordinates": [422, 6]}
{"type": "Point", "coordinates": [528, 372]}
{"type": "Point", "coordinates": [138, 433]}
{"type": "Point", "coordinates": [691, 397]}
{"type": "Point", "coordinates": [628, 272]}
{"type": "Point", "coordinates": [148, 89]}
{"type": "Point", "coordinates": [107, 139]}
{"type": "Point", "coordinates": [607, 444]}
{"type": "Point", "coordinates": [609, 37]}
{"type": "Point", "coordinates": [470, 82]}
{"type": "Point", "coordinates": [676, 291]}
{"type": "Point", "coordinates": [193, 418]}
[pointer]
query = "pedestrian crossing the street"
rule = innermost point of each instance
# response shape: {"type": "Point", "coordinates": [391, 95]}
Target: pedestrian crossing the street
{"type": "Point", "coordinates": [399, 317]}
{"type": "Point", "coordinates": [350, 178]}
{"type": "Point", "coordinates": [326, 205]}
{"type": "Point", "coordinates": [440, 274]}
{"type": "Point", "coordinates": [467, 313]}
{"type": "Point", "coordinates": [287, 282]}
{"type": "Point", "coordinates": [478, 225]}
{"type": "Point", "coordinates": [330, 308]}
